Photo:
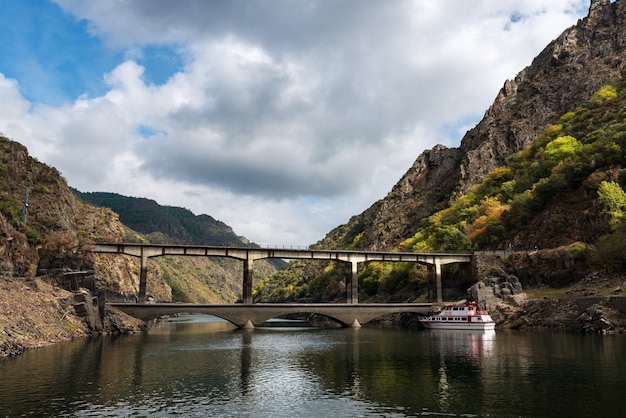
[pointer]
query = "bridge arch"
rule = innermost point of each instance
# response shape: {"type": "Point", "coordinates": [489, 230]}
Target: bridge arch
{"type": "Point", "coordinates": [250, 316]}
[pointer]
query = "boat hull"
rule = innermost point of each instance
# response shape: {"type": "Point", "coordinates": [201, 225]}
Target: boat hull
{"type": "Point", "coordinates": [459, 326]}
{"type": "Point", "coordinates": [460, 317]}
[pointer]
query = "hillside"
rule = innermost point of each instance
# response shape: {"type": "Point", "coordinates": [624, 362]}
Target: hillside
{"type": "Point", "coordinates": [165, 223]}
{"type": "Point", "coordinates": [52, 289]}
{"type": "Point", "coordinates": [564, 76]}
{"type": "Point", "coordinates": [43, 259]}
{"type": "Point", "coordinates": [517, 181]}
{"type": "Point", "coordinates": [194, 280]}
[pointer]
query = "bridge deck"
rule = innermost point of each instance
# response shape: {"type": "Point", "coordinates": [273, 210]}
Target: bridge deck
{"type": "Point", "coordinates": [249, 254]}
{"type": "Point", "coordinates": [256, 253]}
{"type": "Point", "coordinates": [248, 316]}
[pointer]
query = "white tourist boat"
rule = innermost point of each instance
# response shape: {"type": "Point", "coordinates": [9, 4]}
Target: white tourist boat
{"type": "Point", "coordinates": [462, 317]}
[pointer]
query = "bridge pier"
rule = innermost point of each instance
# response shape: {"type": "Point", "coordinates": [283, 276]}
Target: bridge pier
{"type": "Point", "coordinates": [352, 284]}
{"type": "Point", "coordinates": [248, 273]}
{"type": "Point", "coordinates": [434, 274]}
{"type": "Point", "coordinates": [143, 276]}
{"type": "Point", "coordinates": [438, 281]}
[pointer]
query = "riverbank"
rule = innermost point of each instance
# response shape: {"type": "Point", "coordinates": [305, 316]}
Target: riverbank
{"type": "Point", "coordinates": [596, 304]}
{"type": "Point", "coordinates": [34, 313]}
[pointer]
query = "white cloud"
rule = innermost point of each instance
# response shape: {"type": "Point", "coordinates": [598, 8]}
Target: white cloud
{"type": "Point", "coordinates": [285, 119]}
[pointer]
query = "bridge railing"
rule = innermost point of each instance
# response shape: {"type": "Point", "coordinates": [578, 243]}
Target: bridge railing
{"type": "Point", "coordinates": [266, 245]}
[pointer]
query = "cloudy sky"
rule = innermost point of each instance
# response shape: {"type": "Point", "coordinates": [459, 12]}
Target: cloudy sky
{"type": "Point", "coordinates": [281, 118]}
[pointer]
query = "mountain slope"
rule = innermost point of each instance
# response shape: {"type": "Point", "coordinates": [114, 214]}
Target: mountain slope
{"type": "Point", "coordinates": [43, 259]}
{"type": "Point", "coordinates": [564, 76]}
{"type": "Point", "coordinates": [561, 79]}
{"type": "Point", "coordinates": [172, 223]}
{"type": "Point", "coordinates": [192, 279]}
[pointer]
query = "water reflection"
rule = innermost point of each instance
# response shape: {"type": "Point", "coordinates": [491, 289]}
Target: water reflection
{"type": "Point", "coordinates": [464, 345]}
{"type": "Point", "coordinates": [475, 345]}
{"type": "Point", "coordinates": [195, 366]}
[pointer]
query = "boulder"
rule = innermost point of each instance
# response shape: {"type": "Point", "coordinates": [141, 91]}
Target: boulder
{"type": "Point", "coordinates": [496, 289]}
{"type": "Point", "coordinates": [597, 319]}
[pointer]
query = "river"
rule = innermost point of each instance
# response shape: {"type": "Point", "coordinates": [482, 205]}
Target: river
{"type": "Point", "coordinates": [201, 366]}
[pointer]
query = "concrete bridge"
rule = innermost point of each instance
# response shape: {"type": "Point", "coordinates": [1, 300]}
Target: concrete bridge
{"type": "Point", "coordinates": [250, 316]}
{"type": "Point", "coordinates": [249, 255]}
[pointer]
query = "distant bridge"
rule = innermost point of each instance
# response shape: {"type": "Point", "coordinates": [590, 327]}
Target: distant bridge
{"type": "Point", "coordinates": [249, 255]}
{"type": "Point", "coordinates": [250, 316]}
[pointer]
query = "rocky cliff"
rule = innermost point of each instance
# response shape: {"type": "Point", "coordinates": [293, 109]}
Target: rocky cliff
{"type": "Point", "coordinates": [52, 288]}
{"type": "Point", "coordinates": [562, 77]}
{"type": "Point", "coordinates": [482, 182]}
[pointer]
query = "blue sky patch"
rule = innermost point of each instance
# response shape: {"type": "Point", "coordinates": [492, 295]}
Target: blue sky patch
{"type": "Point", "coordinates": [147, 132]}
{"type": "Point", "coordinates": [52, 55]}
{"type": "Point", "coordinates": [160, 62]}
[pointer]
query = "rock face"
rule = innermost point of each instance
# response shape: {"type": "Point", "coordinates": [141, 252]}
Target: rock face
{"type": "Point", "coordinates": [47, 279]}
{"type": "Point", "coordinates": [590, 315]}
{"type": "Point", "coordinates": [497, 288]}
{"type": "Point", "coordinates": [564, 75]}
{"type": "Point", "coordinates": [426, 186]}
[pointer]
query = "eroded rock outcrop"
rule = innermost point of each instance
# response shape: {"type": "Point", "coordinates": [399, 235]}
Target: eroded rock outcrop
{"type": "Point", "coordinates": [51, 287]}
{"type": "Point", "coordinates": [563, 76]}
{"type": "Point", "coordinates": [496, 289]}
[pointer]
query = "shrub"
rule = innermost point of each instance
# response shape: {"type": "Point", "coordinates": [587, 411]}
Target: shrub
{"type": "Point", "coordinates": [450, 238]}
{"type": "Point", "coordinates": [33, 237]}
{"type": "Point", "coordinates": [369, 285]}
{"type": "Point", "coordinates": [621, 178]}
{"type": "Point", "coordinates": [561, 148]}
{"type": "Point", "coordinates": [523, 207]}
{"type": "Point", "coordinates": [613, 198]}
{"type": "Point", "coordinates": [611, 249]}
{"type": "Point", "coordinates": [604, 94]}
{"type": "Point", "coordinates": [578, 250]}
{"type": "Point", "coordinates": [10, 209]}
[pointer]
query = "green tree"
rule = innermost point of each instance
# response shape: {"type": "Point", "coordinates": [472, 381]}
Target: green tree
{"type": "Point", "coordinates": [561, 148]}
{"type": "Point", "coordinates": [606, 93]}
{"type": "Point", "coordinates": [613, 198]}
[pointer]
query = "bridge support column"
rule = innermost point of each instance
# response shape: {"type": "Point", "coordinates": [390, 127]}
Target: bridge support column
{"type": "Point", "coordinates": [248, 272]}
{"type": "Point", "coordinates": [438, 281]}
{"type": "Point", "coordinates": [352, 284]}
{"type": "Point", "coordinates": [434, 272]}
{"type": "Point", "coordinates": [143, 277]}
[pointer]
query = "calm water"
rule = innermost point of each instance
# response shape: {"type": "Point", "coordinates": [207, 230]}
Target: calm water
{"type": "Point", "coordinates": [199, 367]}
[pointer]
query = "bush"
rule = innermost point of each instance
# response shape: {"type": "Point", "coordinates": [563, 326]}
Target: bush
{"type": "Point", "coordinates": [369, 285]}
{"type": "Point", "coordinates": [621, 178]}
{"type": "Point", "coordinates": [612, 249]}
{"type": "Point", "coordinates": [33, 237]}
{"type": "Point", "coordinates": [604, 94]}
{"type": "Point", "coordinates": [523, 207]}
{"type": "Point", "coordinates": [613, 198]}
{"type": "Point", "coordinates": [449, 238]}
{"type": "Point", "coordinates": [578, 250]}
{"type": "Point", "coordinates": [10, 209]}
{"type": "Point", "coordinates": [561, 148]}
